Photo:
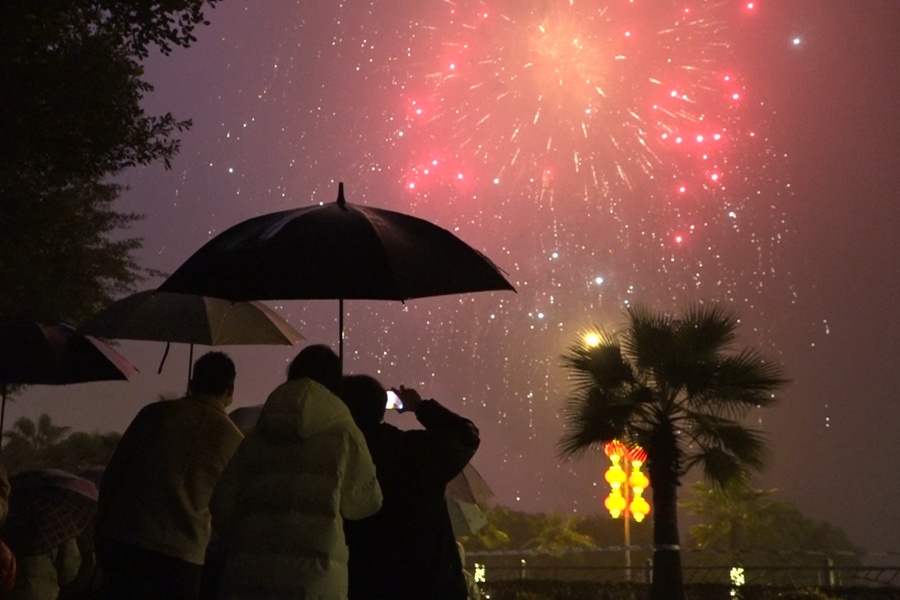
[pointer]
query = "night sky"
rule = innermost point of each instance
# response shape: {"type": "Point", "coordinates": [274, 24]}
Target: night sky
{"type": "Point", "coordinates": [601, 153]}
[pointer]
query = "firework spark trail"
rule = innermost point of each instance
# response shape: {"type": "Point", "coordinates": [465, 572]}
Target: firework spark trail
{"type": "Point", "coordinates": [615, 146]}
{"type": "Point", "coordinates": [603, 153]}
{"type": "Point", "coordinates": [629, 110]}
{"type": "Point", "coordinates": [625, 90]}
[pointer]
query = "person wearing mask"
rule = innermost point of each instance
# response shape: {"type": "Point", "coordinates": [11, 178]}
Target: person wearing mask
{"type": "Point", "coordinates": [280, 506]}
{"type": "Point", "coordinates": [408, 551]}
{"type": "Point", "coordinates": [153, 518]}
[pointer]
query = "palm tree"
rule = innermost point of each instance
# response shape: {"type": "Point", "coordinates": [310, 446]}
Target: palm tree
{"type": "Point", "coordinates": [675, 387]}
{"type": "Point", "coordinates": [38, 436]}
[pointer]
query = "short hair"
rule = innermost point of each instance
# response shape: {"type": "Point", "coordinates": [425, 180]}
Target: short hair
{"type": "Point", "coordinates": [213, 374]}
{"type": "Point", "coordinates": [319, 363]}
{"type": "Point", "coordinates": [366, 398]}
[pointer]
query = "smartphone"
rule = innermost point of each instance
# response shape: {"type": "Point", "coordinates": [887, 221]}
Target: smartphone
{"type": "Point", "coordinates": [393, 401]}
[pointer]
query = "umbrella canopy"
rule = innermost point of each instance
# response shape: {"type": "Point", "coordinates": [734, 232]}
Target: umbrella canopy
{"type": "Point", "coordinates": [55, 354]}
{"type": "Point", "coordinates": [466, 495]}
{"type": "Point", "coordinates": [466, 518]}
{"type": "Point", "coordinates": [190, 319]}
{"type": "Point", "coordinates": [335, 251]}
{"type": "Point", "coordinates": [469, 486]}
{"type": "Point", "coordinates": [245, 417]}
{"type": "Point", "coordinates": [46, 508]}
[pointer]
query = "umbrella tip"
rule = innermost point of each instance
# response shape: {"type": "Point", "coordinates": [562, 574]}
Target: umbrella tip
{"type": "Point", "coordinates": [340, 199]}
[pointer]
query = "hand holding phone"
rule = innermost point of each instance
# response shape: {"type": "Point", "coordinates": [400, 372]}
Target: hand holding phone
{"type": "Point", "coordinates": [393, 401]}
{"type": "Point", "coordinates": [409, 399]}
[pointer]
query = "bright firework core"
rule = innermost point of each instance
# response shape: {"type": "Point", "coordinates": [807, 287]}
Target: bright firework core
{"type": "Point", "coordinates": [616, 92]}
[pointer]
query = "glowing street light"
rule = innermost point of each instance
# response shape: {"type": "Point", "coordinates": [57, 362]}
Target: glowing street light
{"type": "Point", "coordinates": [627, 484]}
{"type": "Point", "coordinates": [592, 339]}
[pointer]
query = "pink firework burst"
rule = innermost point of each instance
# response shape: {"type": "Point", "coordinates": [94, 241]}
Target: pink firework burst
{"type": "Point", "coordinates": [611, 93]}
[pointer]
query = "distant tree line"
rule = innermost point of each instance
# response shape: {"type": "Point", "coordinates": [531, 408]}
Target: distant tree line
{"type": "Point", "coordinates": [769, 527]}
{"type": "Point", "coordinates": [42, 444]}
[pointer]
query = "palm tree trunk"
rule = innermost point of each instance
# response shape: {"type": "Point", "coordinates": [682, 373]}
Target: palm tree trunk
{"type": "Point", "coordinates": [668, 581]}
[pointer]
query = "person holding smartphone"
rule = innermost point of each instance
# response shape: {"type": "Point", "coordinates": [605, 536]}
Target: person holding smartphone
{"type": "Point", "coordinates": [407, 550]}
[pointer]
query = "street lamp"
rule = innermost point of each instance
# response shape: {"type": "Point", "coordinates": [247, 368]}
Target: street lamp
{"type": "Point", "coordinates": [627, 484]}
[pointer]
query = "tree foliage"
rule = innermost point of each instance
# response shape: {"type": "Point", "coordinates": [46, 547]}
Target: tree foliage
{"type": "Point", "coordinates": [511, 530]}
{"type": "Point", "coordinates": [73, 121]}
{"type": "Point", "coordinates": [558, 533]}
{"type": "Point", "coordinates": [676, 387]}
{"type": "Point", "coordinates": [749, 520]}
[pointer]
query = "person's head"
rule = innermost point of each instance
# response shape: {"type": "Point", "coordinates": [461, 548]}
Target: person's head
{"type": "Point", "coordinates": [319, 363]}
{"type": "Point", "coordinates": [214, 375]}
{"type": "Point", "coordinates": [366, 399]}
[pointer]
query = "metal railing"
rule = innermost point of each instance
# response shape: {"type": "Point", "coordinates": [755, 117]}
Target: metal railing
{"type": "Point", "coordinates": [605, 565]}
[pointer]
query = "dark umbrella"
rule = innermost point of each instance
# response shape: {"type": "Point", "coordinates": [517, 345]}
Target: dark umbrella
{"type": "Point", "coordinates": [46, 508]}
{"type": "Point", "coordinates": [335, 251]}
{"type": "Point", "coordinates": [54, 354]}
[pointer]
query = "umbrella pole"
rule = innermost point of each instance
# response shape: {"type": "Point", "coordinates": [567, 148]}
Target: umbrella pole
{"type": "Point", "coordinates": [190, 362]}
{"type": "Point", "coordinates": [341, 332]}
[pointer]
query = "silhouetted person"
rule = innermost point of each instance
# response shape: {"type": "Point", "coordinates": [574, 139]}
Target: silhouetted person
{"type": "Point", "coordinates": [41, 576]}
{"type": "Point", "coordinates": [48, 510]}
{"type": "Point", "coordinates": [280, 506]}
{"type": "Point", "coordinates": [7, 558]}
{"type": "Point", "coordinates": [408, 551]}
{"type": "Point", "coordinates": [153, 519]}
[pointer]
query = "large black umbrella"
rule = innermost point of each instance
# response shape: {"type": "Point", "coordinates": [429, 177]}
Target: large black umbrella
{"type": "Point", "coordinates": [54, 354]}
{"type": "Point", "coordinates": [335, 251]}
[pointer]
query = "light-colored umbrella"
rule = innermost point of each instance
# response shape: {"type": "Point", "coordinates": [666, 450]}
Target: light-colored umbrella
{"type": "Point", "coordinates": [170, 317]}
{"type": "Point", "coordinates": [469, 486]}
{"type": "Point", "coordinates": [467, 494]}
{"type": "Point", "coordinates": [466, 518]}
{"type": "Point", "coordinates": [153, 315]}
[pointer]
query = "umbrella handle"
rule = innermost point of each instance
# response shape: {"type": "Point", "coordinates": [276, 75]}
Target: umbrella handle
{"type": "Point", "coordinates": [163, 361]}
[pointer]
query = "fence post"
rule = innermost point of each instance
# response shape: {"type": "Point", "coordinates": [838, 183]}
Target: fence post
{"type": "Point", "coordinates": [828, 578]}
{"type": "Point", "coordinates": [648, 570]}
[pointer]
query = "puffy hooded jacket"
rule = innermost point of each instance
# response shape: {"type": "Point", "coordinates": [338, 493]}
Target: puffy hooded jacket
{"type": "Point", "coordinates": [280, 505]}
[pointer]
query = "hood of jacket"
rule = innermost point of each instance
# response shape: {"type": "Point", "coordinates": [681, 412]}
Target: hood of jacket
{"type": "Point", "coordinates": [300, 409]}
